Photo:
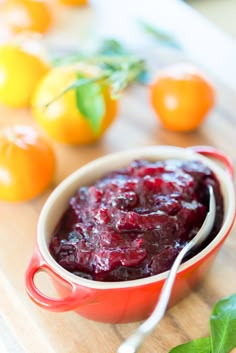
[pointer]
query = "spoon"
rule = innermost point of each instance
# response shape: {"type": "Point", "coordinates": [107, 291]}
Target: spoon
{"type": "Point", "coordinates": [132, 343]}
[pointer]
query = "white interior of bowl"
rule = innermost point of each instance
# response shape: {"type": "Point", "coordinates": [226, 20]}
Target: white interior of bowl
{"type": "Point", "coordinates": [58, 201]}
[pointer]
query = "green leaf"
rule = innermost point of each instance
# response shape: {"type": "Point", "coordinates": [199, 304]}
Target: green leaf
{"type": "Point", "coordinates": [200, 345]}
{"type": "Point", "coordinates": [162, 37]}
{"type": "Point", "coordinates": [74, 85]}
{"type": "Point", "coordinates": [90, 102]}
{"type": "Point", "coordinates": [112, 47]}
{"type": "Point", "coordinates": [223, 325]}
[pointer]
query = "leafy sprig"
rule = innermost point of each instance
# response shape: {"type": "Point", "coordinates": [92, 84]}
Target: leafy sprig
{"type": "Point", "coordinates": [117, 68]}
{"type": "Point", "coordinates": [222, 337]}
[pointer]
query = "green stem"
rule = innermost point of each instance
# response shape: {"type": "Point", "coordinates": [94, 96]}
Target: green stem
{"type": "Point", "coordinates": [74, 85]}
{"type": "Point", "coordinates": [121, 71]}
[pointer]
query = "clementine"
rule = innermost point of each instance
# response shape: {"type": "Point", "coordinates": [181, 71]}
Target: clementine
{"type": "Point", "coordinates": [181, 97]}
{"type": "Point", "coordinates": [74, 2]}
{"type": "Point", "coordinates": [62, 119]}
{"type": "Point", "coordinates": [20, 72]}
{"type": "Point", "coordinates": [26, 163]}
{"type": "Point", "coordinates": [28, 15]}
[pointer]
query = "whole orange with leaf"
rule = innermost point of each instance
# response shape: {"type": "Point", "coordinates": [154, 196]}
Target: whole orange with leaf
{"type": "Point", "coordinates": [20, 72]}
{"type": "Point", "coordinates": [181, 97]}
{"type": "Point", "coordinates": [72, 105]}
{"type": "Point", "coordinates": [28, 15]}
{"type": "Point", "coordinates": [27, 163]}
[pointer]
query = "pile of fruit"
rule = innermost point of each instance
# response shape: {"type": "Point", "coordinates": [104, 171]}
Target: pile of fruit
{"type": "Point", "coordinates": [75, 100]}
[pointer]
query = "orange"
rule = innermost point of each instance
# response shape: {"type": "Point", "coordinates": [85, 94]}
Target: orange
{"type": "Point", "coordinates": [181, 97]}
{"type": "Point", "coordinates": [27, 15]}
{"type": "Point", "coordinates": [26, 163]}
{"type": "Point", "coordinates": [74, 2]}
{"type": "Point", "coordinates": [62, 119]}
{"type": "Point", "coordinates": [20, 72]}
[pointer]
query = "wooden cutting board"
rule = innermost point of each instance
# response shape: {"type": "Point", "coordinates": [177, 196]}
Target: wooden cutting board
{"type": "Point", "coordinates": [34, 330]}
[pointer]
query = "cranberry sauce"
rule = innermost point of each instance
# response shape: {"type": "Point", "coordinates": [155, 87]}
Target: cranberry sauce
{"type": "Point", "coordinates": [133, 222]}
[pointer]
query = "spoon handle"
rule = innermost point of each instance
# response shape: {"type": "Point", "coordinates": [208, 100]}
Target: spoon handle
{"type": "Point", "coordinates": [134, 341]}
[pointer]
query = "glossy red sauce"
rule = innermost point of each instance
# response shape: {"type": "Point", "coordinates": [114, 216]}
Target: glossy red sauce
{"type": "Point", "coordinates": [133, 222]}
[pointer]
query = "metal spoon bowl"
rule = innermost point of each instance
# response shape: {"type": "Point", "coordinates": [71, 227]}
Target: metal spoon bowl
{"type": "Point", "coordinates": [132, 343]}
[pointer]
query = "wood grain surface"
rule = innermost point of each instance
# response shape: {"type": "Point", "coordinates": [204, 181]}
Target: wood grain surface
{"type": "Point", "coordinates": [34, 330]}
{"type": "Point", "coordinates": [24, 327]}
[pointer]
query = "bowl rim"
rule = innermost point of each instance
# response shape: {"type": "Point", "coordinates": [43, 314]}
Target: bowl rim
{"type": "Point", "coordinates": [149, 152]}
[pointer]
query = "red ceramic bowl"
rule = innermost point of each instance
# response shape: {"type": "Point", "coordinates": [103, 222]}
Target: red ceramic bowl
{"type": "Point", "coordinates": [119, 302]}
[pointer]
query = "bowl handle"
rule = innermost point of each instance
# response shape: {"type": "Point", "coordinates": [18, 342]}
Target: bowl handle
{"type": "Point", "coordinates": [77, 296]}
{"type": "Point", "coordinates": [214, 153]}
